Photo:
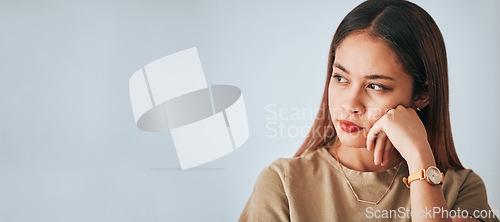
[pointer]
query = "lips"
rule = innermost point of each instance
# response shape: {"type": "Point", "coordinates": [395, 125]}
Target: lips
{"type": "Point", "coordinates": [349, 127]}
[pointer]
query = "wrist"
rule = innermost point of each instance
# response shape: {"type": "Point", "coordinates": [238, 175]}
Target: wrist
{"type": "Point", "coordinates": [421, 160]}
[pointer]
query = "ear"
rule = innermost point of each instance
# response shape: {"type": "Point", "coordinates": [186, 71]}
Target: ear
{"type": "Point", "coordinates": [422, 99]}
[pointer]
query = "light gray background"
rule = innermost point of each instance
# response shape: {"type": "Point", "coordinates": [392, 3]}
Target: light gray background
{"type": "Point", "coordinates": [69, 149]}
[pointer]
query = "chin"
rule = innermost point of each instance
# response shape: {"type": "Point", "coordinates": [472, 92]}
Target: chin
{"type": "Point", "coordinates": [354, 140]}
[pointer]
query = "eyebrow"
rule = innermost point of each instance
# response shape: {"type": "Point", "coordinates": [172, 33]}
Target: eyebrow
{"type": "Point", "coordinates": [372, 76]}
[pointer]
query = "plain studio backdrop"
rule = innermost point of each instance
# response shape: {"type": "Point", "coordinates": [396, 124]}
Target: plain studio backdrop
{"type": "Point", "coordinates": [69, 147]}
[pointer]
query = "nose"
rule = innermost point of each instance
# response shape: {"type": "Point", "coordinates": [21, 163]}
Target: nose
{"type": "Point", "coordinates": [353, 102]}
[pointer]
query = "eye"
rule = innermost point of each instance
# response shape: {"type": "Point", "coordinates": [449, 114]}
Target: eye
{"type": "Point", "coordinates": [340, 78]}
{"type": "Point", "coordinates": [377, 87]}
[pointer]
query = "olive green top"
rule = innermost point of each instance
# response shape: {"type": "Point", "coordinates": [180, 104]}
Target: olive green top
{"type": "Point", "coordinates": [312, 188]}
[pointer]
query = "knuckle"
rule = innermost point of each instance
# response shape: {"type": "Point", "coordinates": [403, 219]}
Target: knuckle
{"type": "Point", "coordinates": [390, 111]}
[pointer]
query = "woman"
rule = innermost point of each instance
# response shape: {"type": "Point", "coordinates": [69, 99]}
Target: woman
{"type": "Point", "coordinates": [382, 140]}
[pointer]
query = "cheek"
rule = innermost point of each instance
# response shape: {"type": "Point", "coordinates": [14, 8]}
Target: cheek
{"type": "Point", "coordinates": [379, 108]}
{"type": "Point", "coordinates": [333, 100]}
{"type": "Point", "coordinates": [374, 113]}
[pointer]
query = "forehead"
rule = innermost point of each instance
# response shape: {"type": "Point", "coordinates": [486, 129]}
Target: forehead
{"type": "Point", "coordinates": [361, 54]}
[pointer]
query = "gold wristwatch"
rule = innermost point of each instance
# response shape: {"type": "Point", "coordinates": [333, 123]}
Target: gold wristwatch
{"type": "Point", "coordinates": [432, 175]}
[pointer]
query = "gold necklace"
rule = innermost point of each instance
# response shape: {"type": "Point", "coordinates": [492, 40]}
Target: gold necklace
{"type": "Point", "coordinates": [354, 192]}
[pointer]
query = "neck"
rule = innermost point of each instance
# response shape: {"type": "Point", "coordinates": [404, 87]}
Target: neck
{"type": "Point", "coordinates": [360, 159]}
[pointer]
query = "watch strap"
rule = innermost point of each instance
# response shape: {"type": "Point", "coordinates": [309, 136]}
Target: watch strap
{"type": "Point", "coordinates": [419, 175]}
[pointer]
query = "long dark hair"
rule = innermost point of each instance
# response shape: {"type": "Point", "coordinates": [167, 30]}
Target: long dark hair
{"type": "Point", "coordinates": [412, 33]}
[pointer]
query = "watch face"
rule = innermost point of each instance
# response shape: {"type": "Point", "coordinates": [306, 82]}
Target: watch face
{"type": "Point", "coordinates": [434, 175]}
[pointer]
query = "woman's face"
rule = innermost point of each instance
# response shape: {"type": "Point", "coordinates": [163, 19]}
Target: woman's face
{"type": "Point", "coordinates": [366, 82]}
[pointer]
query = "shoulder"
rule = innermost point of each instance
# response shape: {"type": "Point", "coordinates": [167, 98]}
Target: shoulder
{"type": "Point", "coordinates": [281, 170]}
{"type": "Point", "coordinates": [461, 178]}
{"type": "Point", "coordinates": [273, 173]}
{"type": "Point", "coordinates": [464, 189]}
{"type": "Point", "coordinates": [268, 201]}
{"type": "Point", "coordinates": [303, 165]}
{"type": "Point", "coordinates": [279, 178]}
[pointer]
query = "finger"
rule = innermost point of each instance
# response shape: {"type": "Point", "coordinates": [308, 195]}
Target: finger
{"type": "Point", "coordinates": [387, 151]}
{"type": "Point", "coordinates": [372, 135]}
{"type": "Point", "coordinates": [400, 107]}
{"type": "Point", "coordinates": [379, 148]}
